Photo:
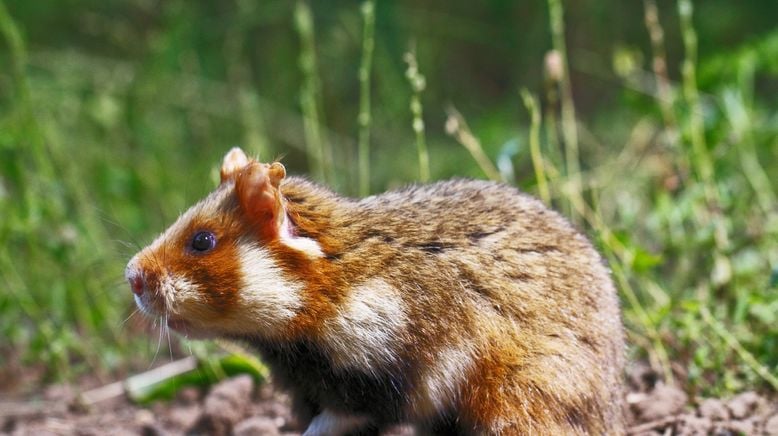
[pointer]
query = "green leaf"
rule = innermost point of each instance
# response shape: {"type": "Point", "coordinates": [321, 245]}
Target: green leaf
{"type": "Point", "coordinates": [145, 388]}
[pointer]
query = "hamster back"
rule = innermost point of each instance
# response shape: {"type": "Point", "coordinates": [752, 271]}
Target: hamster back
{"type": "Point", "coordinates": [461, 306]}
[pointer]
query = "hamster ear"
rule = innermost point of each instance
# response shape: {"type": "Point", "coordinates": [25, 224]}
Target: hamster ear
{"type": "Point", "coordinates": [234, 161]}
{"type": "Point", "coordinates": [258, 194]}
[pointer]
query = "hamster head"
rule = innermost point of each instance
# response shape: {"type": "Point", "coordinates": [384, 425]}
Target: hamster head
{"type": "Point", "coordinates": [213, 272]}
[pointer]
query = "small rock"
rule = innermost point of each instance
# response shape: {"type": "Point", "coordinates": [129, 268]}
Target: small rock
{"type": "Point", "coordinates": [743, 405]}
{"type": "Point", "coordinates": [273, 409]}
{"type": "Point", "coordinates": [692, 425]}
{"type": "Point", "coordinates": [771, 426]}
{"type": "Point", "coordinates": [189, 395]}
{"type": "Point", "coordinates": [225, 405]}
{"type": "Point", "coordinates": [130, 431]}
{"type": "Point", "coordinates": [152, 429]}
{"type": "Point", "coordinates": [641, 378]}
{"type": "Point", "coordinates": [662, 401]}
{"type": "Point", "coordinates": [144, 417]}
{"type": "Point", "coordinates": [8, 425]}
{"type": "Point", "coordinates": [714, 409]}
{"type": "Point", "coordinates": [721, 430]}
{"type": "Point", "coordinates": [255, 426]}
{"type": "Point", "coordinates": [184, 416]}
{"type": "Point", "coordinates": [747, 426]}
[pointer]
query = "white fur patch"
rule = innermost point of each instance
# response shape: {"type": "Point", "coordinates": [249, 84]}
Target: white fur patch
{"type": "Point", "coordinates": [267, 299]}
{"type": "Point", "coordinates": [174, 291]}
{"type": "Point", "coordinates": [329, 423]}
{"type": "Point", "coordinates": [308, 246]}
{"type": "Point", "coordinates": [177, 290]}
{"type": "Point", "coordinates": [446, 376]}
{"type": "Point", "coordinates": [364, 333]}
{"type": "Point", "coordinates": [234, 160]}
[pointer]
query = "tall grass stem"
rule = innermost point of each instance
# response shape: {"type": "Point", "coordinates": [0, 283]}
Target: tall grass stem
{"type": "Point", "coordinates": [418, 83]}
{"type": "Point", "coordinates": [741, 351]}
{"type": "Point", "coordinates": [457, 127]}
{"type": "Point", "coordinates": [664, 90]}
{"type": "Point", "coordinates": [310, 96]}
{"type": "Point", "coordinates": [569, 124]}
{"type": "Point", "coordinates": [702, 158]}
{"type": "Point", "coordinates": [531, 103]}
{"type": "Point", "coordinates": [364, 118]}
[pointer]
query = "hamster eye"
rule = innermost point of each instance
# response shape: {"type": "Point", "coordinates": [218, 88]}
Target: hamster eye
{"type": "Point", "coordinates": [203, 241]}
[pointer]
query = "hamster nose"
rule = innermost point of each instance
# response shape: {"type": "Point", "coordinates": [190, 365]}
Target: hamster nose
{"type": "Point", "coordinates": [136, 283]}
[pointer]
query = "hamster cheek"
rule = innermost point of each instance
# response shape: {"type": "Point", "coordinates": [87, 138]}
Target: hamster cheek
{"type": "Point", "coordinates": [180, 293]}
{"type": "Point", "coordinates": [267, 300]}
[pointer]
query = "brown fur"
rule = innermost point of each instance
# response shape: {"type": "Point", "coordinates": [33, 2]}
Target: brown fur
{"type": "Point", "coordinates": [558, 369]}
{"type": "Point", "coordinates": [508, 321]}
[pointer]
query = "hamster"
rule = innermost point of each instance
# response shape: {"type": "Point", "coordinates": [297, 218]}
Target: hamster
{"type": "Point", "coordinates": [461, 307]}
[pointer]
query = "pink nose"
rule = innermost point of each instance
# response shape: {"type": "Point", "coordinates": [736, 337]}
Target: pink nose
{"type": "Point", "coordinates": [136, 283]}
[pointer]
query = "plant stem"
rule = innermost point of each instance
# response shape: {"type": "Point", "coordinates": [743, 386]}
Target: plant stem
{"type": "Point", "coordinates": [533, 108]}
{"type": "Point", "coordinates": [701, 158]}
{"type": "Point", "coordinates": [734, 344]}
{"type": "Point", "coordinates": [688, 71]}
{"type": "Point", "coordinates": [364, 119]}
{"type": "Point", "coordinates": [418, 83]}
{"type": "Point", "coordinates": [569, 128]}
{"type": "Point", "coordinates": [310, 96]}
{"type": "Point", "coordinates": [457, 127]}
{"type": "Point", "coordinates": [659, 66]}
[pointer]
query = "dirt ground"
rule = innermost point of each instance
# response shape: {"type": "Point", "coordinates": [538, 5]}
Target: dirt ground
{"type": "Point", "coordinates": [235, 406]}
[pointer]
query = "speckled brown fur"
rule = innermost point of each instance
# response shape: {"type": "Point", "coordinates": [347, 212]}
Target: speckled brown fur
{"type": "Point", "coordinates": [460, 306]}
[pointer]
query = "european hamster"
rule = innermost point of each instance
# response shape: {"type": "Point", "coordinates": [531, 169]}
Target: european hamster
{"type": "Point", "coordinates": [462, 307]}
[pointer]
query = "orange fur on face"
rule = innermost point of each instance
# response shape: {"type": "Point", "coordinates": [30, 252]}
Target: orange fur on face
{"type": "Point", "coordinates": [213, 272]}
{"type": "Point", "coordinates": [204, 287]}
{"type": "Point", "coordinates": [248, 208]}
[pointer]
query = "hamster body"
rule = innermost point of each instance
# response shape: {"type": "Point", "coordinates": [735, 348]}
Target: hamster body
{"type": "Point", "coordinates": [463, 307]}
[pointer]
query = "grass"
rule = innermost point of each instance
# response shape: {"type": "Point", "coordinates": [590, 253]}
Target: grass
{"type": "Point", "coordinates": [368, 45]}
{"type": "Point", "coordinates": [674, 183]}
{"type": "Point", "coordinates": [418, 83]}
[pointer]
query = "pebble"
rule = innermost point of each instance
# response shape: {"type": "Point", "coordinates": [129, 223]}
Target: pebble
{"type": "Point", "coordinates": [226, 405]}
{"type": "Point", "coordinates": [771, 426]}
{"type": "Point", "coordinates": [689, 425]}
{"type": "Point", "coordinates": [257, 425]}
{"type": "Point", "coordinates": [747, 426]}
{"type": "Point", "coordinates": [714, 409]}
{"type": "Point", "coordinates": [664, 400]}
{"type": "Point", "coordinates": [742, 405]}
{"type": "Point", "coordinates": [183, 416]}
{"type": "Point", "coordinates": [189, 395]}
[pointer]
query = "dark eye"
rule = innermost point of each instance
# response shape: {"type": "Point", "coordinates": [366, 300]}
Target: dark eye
{"type": "Point", "coordinates": [203, 241]}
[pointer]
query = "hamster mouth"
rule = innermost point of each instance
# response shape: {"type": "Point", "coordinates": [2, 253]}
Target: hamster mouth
{"type": "Point", "coordinates": [187, 329]}
{"type": "Point", "coordinates": [178, 325]}
{"type": "Point", "coordinates": [150, 311]}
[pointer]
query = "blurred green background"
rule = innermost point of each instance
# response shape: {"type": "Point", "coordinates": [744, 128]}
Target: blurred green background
{"type": "Point", "coordinates": [653, 125]}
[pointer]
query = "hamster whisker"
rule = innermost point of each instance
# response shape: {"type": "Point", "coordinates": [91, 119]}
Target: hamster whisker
{"type": "Point", "coordinates": [167, 332]}
{"type": "Point", "coordinates": [122, 325]}
{"type": "Point", "coordinates": [159, 341]}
